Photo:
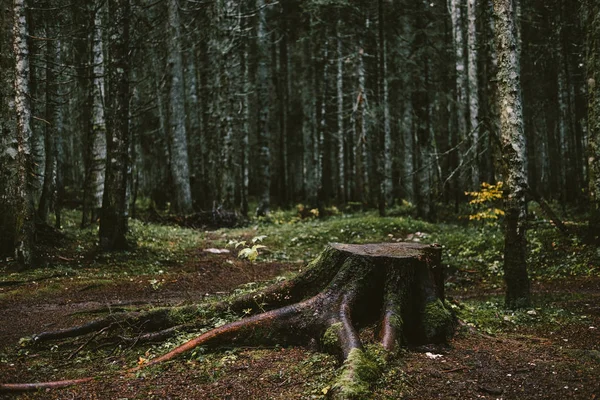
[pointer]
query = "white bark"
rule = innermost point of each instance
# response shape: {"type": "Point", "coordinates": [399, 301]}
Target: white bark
{"type": "Point", "coordinates": [98, 133]}
{"type": "Point", "coordinates": [473, 92]}
{"type": "Point", "coordinates": [362, 140]}
{"type": "Point", "coordinates": [24, 202]}
{"type": "Point", "coordinates": [512, 137]}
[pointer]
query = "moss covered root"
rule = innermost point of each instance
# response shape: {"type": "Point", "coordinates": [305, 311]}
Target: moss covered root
{"type": "Point", "coordinates": [438, 322]}
{"type": "Point", "coordinates": [357, 374]}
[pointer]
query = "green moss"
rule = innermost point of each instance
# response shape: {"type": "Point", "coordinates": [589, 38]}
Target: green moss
{"type": "Point", "coordinates": [182, 315]}
{"type": "Point", "coordinates": [438, 322]}
{"type": "Point", "coordinates": [358, 372]}
{"type": "Point", "coordinates": [330, 337]}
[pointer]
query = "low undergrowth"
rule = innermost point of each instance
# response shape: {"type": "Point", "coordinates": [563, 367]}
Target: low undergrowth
{"type": "Point", "coordinates": [161, 254]}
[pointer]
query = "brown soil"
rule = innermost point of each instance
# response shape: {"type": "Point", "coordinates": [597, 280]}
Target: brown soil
{"type": "Point", "coordinates": [528, 363]}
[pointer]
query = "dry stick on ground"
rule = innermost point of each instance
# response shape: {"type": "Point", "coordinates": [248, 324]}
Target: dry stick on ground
{"type": "Point", "coordinates": [398, 286]}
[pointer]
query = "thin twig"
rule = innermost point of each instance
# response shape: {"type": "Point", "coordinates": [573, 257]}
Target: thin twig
{"type": "Point", "coordinates": [73, 354]}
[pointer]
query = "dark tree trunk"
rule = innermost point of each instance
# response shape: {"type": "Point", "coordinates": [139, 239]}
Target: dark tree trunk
{"type": "Point", "coordinates": [113, 222]}
{"type": "Point", "coordinates": [262, 125]}
{"type": "Point", "coordinates": [50, 132]}
{"type": "Point", "coordinates": [593, 75]}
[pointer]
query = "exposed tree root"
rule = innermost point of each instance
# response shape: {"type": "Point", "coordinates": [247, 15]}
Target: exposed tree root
{"type": "Point", "coordinates": [24, 387]}
{"type": "Point", "coordinates": [399, 287]}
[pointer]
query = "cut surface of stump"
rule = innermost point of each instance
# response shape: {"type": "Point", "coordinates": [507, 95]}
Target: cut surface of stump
{"type": "Point", "coordinates": [395, 287]}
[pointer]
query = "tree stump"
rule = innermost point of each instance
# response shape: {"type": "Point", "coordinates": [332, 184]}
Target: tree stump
{"type": "Point", "coordinates": [396, 287]}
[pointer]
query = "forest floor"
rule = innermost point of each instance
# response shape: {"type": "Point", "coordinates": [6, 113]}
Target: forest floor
{"type": "Point", "coordinates": [551, 351]}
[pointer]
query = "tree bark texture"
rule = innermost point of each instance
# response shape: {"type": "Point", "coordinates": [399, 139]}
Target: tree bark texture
{"type": "Point", "coordinates": [94, 188]}
{"type": "Point", "coordinates": [593, 87]}
{"type": "Point", "coordinates": [513, 154]}
{"type": "Point", "coordinates": [262, 103]}
{"type": "Point", "coordinates": [23, 209]}
{"type": "Point", "coordinates": [473, 92]}
{"type": "Point", "coordinates": [114, 219]}
{"type": "Point", "coordinates": [51, 131]}
{"type": "Point", "coordinates": [178, 142]}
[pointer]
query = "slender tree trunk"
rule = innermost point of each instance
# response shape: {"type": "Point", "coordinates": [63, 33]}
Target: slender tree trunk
{"type": "Point", "coordinates": [473, 92]}
{"type": "Point", "coordinates": [51, 129]}
{"type": "Point", "coordinates": [593, 87]}
{"type": "Point", "coordinates": [245, 132]}
{"type": "Point", "coordinates": [282, 77]}
{"type": "Point", "coordinates": [59, 157]}
{"type": "Point", "coordinates": [341, 137]}
{"type": "Point", "coordinates": [386, 185]}
{"type": "Point", "coordinates": [193, 119]}
{"type": "Point", "coordinates": [361, 151]}
{"type": "Point", "coordinates": [160, 174]}
{"type": "Point", "coordinates": [7, 115]}
{"type": "Point", "coordinates": [262, 128]}
{"type": "Point", "coordinates": [322, 164]}
{"type": "Point", "coordinates": [94, 188]}
{"type": "Point", "coordinates": [180, 170]}
{"type": "Point", "coordinates": [462, 86]}
{"type": "Point", "coordinates": [513, 154]}
{"type": "Point", "coordinates": [562, 116]}
{"type": "Point", "coordinates": [406, 121]}
{"type": "Point", "coordinates": [24, 209]}
{"type": "Point", "coordinates": [421, 129]}
{"type": "Point", "coordinates": [113, 222]}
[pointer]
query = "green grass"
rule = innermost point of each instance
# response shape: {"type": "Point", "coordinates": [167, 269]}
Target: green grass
{"type": "Point", "coordinates": [471, 251]}
{"type": "Point", "coordinates": [491, 317]}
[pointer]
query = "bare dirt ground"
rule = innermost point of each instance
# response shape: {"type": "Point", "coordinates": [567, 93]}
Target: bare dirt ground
{"type": "Point", "coordinates": [560, 361]}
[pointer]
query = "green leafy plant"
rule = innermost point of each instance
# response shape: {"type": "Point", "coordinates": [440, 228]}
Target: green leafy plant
{"type": "Point", "coordinates": [249, 253]}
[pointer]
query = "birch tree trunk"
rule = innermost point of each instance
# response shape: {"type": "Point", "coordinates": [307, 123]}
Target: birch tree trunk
{"type": "Point", "coordinates": [113, 222]}
{"type": "Point", "coordinates": [94, 185]}
{"type": "Point", "coordinates": [180, 171]}
{"type": "Point", "coordinates": [513, 155]}
{"type": "Point", "coordinates": [593, 90]}
{"type": "Point", "coordinates": [473, 92]}
{"type": "Point", "coordinates": [262, 126]}
{"type": "Point", "coordinates": [23, 209]}
{"type": "Point", "coordinates": [360, 151]}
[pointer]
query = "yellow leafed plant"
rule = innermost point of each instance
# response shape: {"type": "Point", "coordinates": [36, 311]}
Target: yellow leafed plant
{"type": "Point", "coordinates": [485, 202]}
